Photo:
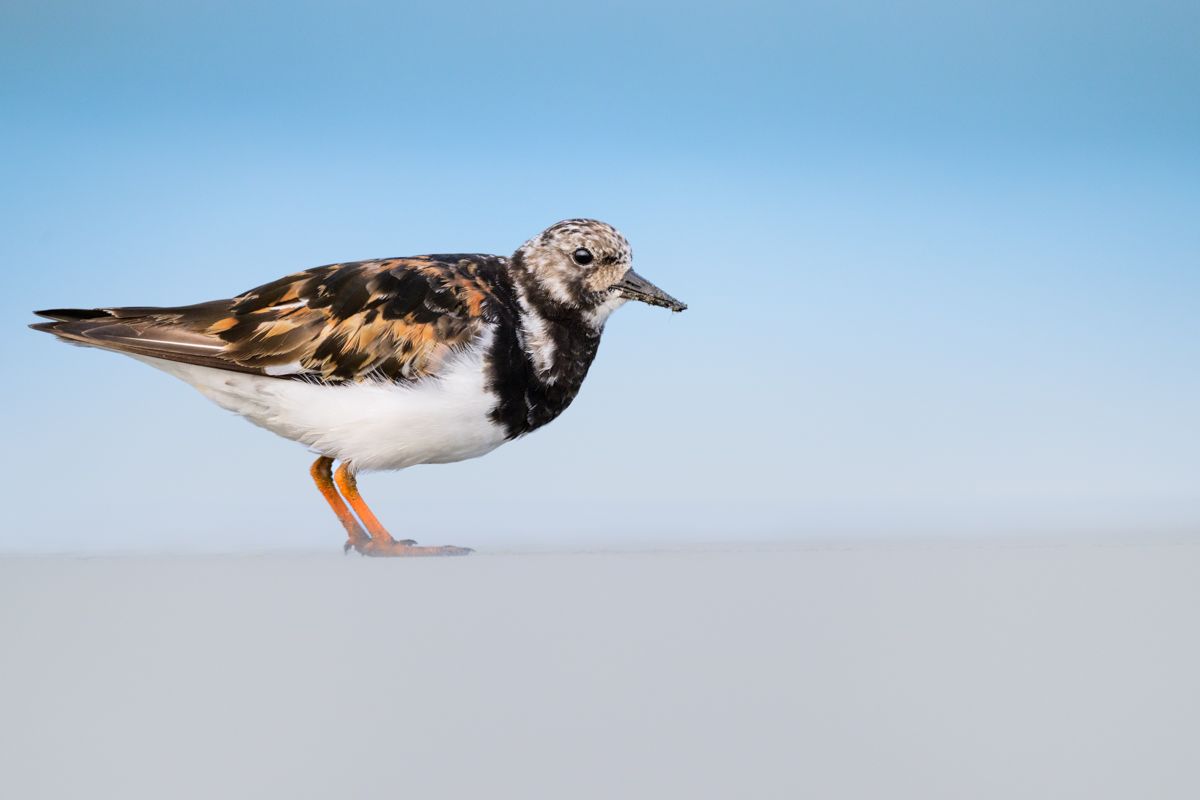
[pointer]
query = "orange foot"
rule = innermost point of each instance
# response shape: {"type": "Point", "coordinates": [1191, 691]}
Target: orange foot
{"type": "Point", "coordinates": [405, 548]}
{"type": "Point", "coordinates": [360, 544]}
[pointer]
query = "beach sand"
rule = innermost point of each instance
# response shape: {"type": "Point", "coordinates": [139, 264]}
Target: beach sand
{"type": "Point", "coordinates": [922, 670]}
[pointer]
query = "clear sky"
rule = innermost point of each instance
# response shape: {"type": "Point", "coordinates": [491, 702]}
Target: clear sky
{"type": "Point", "coordinates": [943, 259]}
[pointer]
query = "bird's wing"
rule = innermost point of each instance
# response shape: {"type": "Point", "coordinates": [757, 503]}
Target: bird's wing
{"type": "Point", "coordinates": [393, 319]}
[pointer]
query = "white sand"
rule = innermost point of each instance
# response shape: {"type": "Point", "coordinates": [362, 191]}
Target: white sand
{"type": "Point", "coordinates": [922, 671]}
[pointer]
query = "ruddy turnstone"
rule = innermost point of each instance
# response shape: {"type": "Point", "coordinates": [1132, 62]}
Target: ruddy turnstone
{"type": "Point", "coordinates": [385, 364]}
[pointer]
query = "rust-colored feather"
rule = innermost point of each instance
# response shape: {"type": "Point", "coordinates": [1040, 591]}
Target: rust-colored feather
{"type": "Point", "coordinates": [393, 319]}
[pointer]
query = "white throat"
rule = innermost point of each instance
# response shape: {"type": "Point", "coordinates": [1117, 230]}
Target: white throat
{"type": "Point", "coordinates": [600, 314]}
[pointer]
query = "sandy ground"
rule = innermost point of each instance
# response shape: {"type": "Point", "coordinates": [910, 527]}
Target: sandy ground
{"type": "Point", "coordinates": [922, 671]}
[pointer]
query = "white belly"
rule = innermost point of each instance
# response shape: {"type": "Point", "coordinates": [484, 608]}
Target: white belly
{"type": "Point", "coordinates": [372, 425]}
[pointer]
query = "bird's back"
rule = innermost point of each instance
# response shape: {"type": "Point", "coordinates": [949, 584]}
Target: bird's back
{"type": "Point", "coordinates": [389, 319]}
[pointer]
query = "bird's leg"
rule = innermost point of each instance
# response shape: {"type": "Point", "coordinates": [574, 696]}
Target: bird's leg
{"type": "Point", "coordinates": [347, 482]}
{"type": "Point", "coordinates": [381, 542]}
{"type": "Point", "coordinates": [323, 477]}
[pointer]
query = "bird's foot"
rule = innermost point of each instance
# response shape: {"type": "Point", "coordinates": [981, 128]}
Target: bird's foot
{"type": "Point", "coordinates": [359, 544]}
{"type": "Point", "coordinates": [402, 548]}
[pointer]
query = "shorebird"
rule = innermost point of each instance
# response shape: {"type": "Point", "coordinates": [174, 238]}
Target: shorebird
{"type": "Point", "coordinates": [384, 364]}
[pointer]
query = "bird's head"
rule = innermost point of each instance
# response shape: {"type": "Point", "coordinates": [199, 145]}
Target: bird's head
{"type": "Point", "coordinates": [586, 265]}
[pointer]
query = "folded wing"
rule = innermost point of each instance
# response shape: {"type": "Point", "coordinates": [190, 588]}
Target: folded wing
{"type": "Point", "coordinates": [394, 319]}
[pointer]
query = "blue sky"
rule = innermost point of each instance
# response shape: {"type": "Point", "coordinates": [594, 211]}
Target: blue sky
{"type": "Point", "coordinates": [942, 261]}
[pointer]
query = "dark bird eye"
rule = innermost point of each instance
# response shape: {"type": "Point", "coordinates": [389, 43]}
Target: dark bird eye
{"type": "Point", "coordinates": [582, 256]}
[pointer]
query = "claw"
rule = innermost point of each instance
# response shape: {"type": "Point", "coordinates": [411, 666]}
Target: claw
{"type": "Point", "coordinates": [358, 545]}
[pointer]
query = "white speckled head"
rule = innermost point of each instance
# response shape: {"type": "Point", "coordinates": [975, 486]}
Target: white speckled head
{"type": "Point", "coordinates": [586, 264]}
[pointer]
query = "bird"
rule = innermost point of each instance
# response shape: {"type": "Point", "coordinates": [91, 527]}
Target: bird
{"type": "Point", "coordinates": [389, 363]}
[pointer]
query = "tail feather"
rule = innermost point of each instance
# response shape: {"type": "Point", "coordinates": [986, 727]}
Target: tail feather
{"type": "Point", "coordinates": [175, 334]}
{"type": "Point", "coordinates": [71, 315]}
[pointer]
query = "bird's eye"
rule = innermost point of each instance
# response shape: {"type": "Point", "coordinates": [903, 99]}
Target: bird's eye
{"type": "Point", "coordinates": [582, 256]}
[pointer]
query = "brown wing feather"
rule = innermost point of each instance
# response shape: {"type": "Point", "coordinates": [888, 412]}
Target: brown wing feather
{"type": "Point", "coordinates": [394, 319]}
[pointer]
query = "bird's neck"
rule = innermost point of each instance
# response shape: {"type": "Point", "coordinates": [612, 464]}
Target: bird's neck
{"type": "Point", "coordinates": [541, 363]}
{"type": "Point", "coordinates": [551, 332]}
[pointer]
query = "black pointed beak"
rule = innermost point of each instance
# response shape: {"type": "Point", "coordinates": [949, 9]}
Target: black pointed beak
{"type": "Point", "coordinates": [635, 287]}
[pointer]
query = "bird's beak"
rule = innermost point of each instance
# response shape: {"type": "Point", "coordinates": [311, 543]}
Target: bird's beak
{"type": "Point", "coordinates": [635, 287]}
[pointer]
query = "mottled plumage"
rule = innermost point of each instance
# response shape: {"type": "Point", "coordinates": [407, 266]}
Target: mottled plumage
{"type": "Point", "coordinates": [388, 363]}
{"type": "Point", "coordinates": [393, 319]}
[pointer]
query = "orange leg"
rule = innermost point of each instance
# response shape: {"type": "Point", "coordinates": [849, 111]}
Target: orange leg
{"type": "Point", "coordinates": [347, 482]}
{"type": "Point", "coordinates": [322, 475]}
{"type": "Point", "coordinates": [381, 542]}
